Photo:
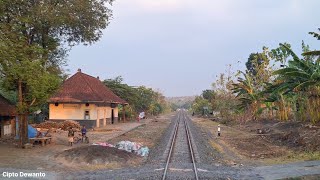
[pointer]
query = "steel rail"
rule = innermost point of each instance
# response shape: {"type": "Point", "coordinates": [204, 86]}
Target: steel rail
{"type": "Point", "coordinates": [172, 146]}
{"type": "Point", "coordinates": [191, 148]}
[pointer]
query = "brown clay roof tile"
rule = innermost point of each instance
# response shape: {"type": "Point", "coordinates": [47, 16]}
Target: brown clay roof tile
{"type": "Point", "coordinates": [84, 88]}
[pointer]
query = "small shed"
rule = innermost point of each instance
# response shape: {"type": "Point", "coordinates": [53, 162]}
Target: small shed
{"type": "Point", "coordinates": [7, 118]}
{"type": "Point", "coordinates": [85, 99]}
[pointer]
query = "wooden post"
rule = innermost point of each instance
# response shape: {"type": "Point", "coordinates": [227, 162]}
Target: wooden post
{"type": "Point", "coordinates": [98, 121]}
{"type": "Point", "coordinates": [104, 117]}
{"type": "Point", "coordinates": [124, 113]}
{"type": "Point", "coordinates": [2, 127]}
{"type": "Point", "coordinates": [17, 127]}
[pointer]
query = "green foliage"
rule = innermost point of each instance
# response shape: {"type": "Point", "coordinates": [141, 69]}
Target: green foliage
{"type": "Point", "coordinates": [121, 89]}
{"type": "Point", "coordinates": [303, 78]}
{"type": "Point", "coordinates": [316, 35]}
{"type": "Point", "coordinates": [8, 94]}
{"type": "Point", "coordinates": [32, 36]}
{"type": "Point", "coordinates": [274, 81]}
{"type": "Point", "coordinates": [199, 104]}
{"type": "Point", "coordinates": [254, 62]}
{"type": "Point", "coordinates": [208, 94]}
{"type": "Point", "coordinates": [224, 101]}
{"type": "Point", "coordinates": [245, 91]}
{"type": "Point", "coordinates": [300, 74]}
{"type": "Point", "coordinates": [306, 51]}
{"type": "Point", "coordinates": [34, 39]}
{"type": "Point", "coordinates": [139, 98]}
{"type": "Point", "coordinates": [280, 54]}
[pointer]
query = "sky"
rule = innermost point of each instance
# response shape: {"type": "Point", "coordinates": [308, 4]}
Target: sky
{"type": "Point", "coordinates": [178, 47]}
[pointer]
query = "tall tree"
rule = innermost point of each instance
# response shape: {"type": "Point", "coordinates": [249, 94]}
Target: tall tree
{"type": "Point", "coordinates": [224, 101]}
{"type": "Point", "coordinates": [139, 98]}
{"type": "Point", "coordinates": [258, 69]}
{"type": "Point", "coordinates": [199, 105]}
{"type": "Point", "coordinates": [208, 94]}
{"type": "Point", "coordinates": [254, 60]}
{"type": "Point", "coordinates": [35, 37]}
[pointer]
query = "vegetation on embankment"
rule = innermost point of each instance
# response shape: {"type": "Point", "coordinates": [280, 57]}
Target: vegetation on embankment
{"type": "Point", "coordinates": [276, 84]}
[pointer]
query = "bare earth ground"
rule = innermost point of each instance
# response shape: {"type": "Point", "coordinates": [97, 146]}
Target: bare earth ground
{"type": "Point", "coordinates": [147, 134]}
{"type": "Point", "coordinates": [60, 157]}
{"type": "Point", "coordinates": [279, 142]}
{"type": "Point", "coordinates": [239, 146]}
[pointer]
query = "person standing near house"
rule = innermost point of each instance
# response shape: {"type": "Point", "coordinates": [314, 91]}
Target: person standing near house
{"type": "Point", "coordinates": [84, 132]}
{"type": "Point", "coordinates": [70, 136]}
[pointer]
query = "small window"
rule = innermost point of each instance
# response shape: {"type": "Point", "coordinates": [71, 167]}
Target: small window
{"type": "Point", "coordinates": [87, 114]}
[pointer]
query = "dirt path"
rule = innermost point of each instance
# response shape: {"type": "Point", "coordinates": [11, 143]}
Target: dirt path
{"type": "Point", "coordinates": [310, 169]}
{"type": "Point", "coordinates": [231, 155]}
{"type": "Point", "coordinates": [44, 158]}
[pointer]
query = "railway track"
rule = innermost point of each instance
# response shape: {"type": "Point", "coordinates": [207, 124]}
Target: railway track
{"type": "Point", "coordinates": [181, 147]}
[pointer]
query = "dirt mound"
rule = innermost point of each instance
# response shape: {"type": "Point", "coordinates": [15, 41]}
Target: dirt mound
{"type": "Point", "coordinates": [97, 155]}
{"type": "Point", "coordinates": [292, 134]}
{"type": "Point", "coordinates": [287, 126]}
{"type": "Point", "coordinates": [298, 140]}
{"type": "Point", "coordinates": [65, 125]}
{"type": "Point", "coordinates": [256, 147]}
{"type": "Point", "coordinates": [290, 139]}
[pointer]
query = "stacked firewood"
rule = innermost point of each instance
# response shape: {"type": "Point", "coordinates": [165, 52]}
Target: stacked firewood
{"type": "Point", "coordinates": [64, 125]}
{"type": "Point", "coordinates": [47, 125]}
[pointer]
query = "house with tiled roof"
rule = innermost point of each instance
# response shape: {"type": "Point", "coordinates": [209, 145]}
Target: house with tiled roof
{"type": "Point", "coordinates": [7, 117]}
{"type": "Point", "coordinates": [85, 99]}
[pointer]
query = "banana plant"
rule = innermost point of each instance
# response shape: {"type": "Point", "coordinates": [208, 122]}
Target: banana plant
{"type": "Point", "coordinates": [248, 95]}
{"type": "Point", "coordinates": [302, 76]}
{"type": "Point", "coordinates": [277, 95]}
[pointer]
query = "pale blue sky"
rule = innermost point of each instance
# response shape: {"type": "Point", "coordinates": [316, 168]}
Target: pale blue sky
{"type": "Point", "coordinates": [179, 46]}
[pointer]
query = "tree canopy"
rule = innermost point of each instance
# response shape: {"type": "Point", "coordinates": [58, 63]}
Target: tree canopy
{"type": "Point", "coordinates": [35, 37]}
{"type": "Point", "coordinates": [139, 98]}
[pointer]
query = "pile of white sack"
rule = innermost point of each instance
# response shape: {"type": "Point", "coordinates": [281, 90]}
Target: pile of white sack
{"type": "Point", "coordinates": [134, 147]}
{"type": "Point", "coordinates": [128, 146]}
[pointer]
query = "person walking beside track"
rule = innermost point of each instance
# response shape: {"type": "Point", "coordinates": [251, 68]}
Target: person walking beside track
{"type": "Point", "coordinates": [84, 133]}
{"type": "Point", "coordinates": [70, 136]}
